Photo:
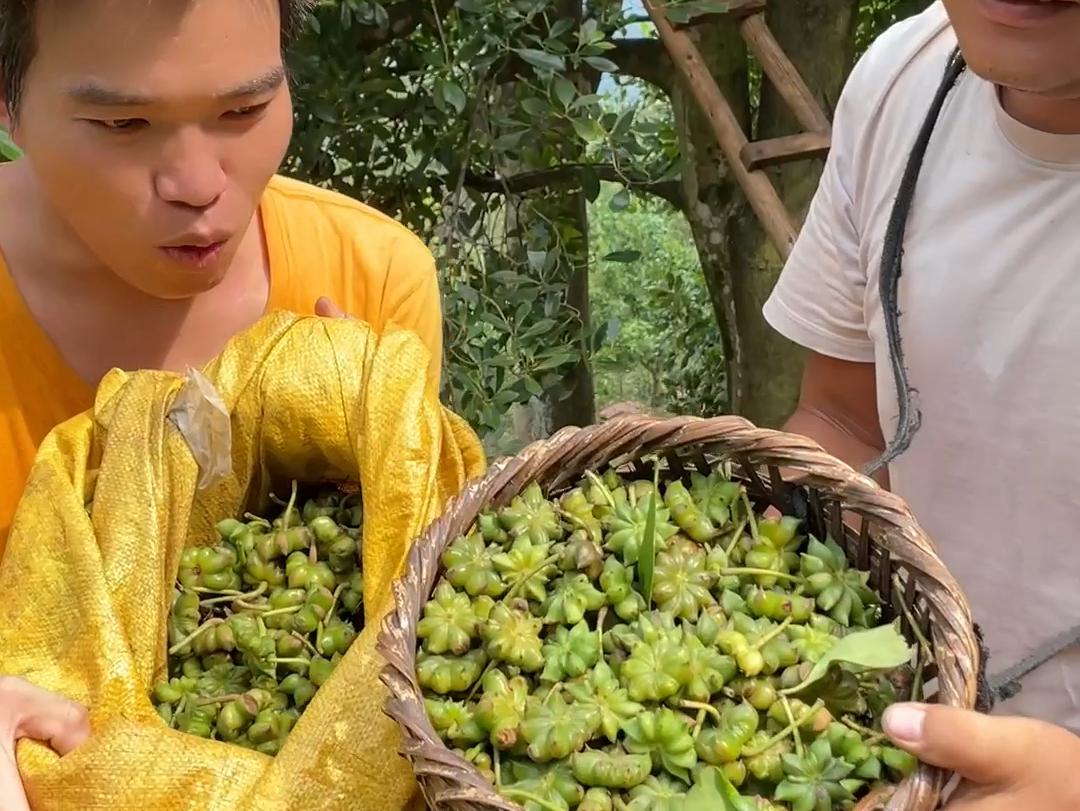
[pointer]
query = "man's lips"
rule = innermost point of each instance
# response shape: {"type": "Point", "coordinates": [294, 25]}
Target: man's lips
{"type": "Point", "coordinates": [1021, 13]}
{"type": "Point", "coordinates": [194, 256]}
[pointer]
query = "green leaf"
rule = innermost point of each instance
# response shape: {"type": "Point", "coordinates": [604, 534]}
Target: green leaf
{"type": "Point", "coordinates": [590, 184]}
{"type": "Point", "coordinates": [601, 64]}
{"type": "Point", "coordinates": [509, 140]}
{"type": "Point", "coordinates": [647, 555]}
{"type": "Point", "coordinates": [451, 93]}
{"type": "Point", "coordinates": [712, 791]}
{"type": "Point", "coordinates": [881, 648]}
{"type": "Point", "coordinates": [561, 26]}
{"type": "Point", "coordinates": [537, 260]}
{"type": "Point", "coordinates": [535, 106]}
{"type": "Point", "coordinates": [7, 147]}
{"type": "Point", "coordinates": [705, 795]}
{"type": "Point", "coordinates": [585, 129]}
{"type": "Point", "coordinates": [624, 256]}
{"type": "Point", "coordinates": [565, 91]}
{"type": "Point", "coordinates": [620, 201]}
{"type": "Point", "coordinates": [541, 59]}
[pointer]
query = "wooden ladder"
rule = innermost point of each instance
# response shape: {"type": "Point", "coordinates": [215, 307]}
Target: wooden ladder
{"type": "Point", "coordinates": [748, 159]}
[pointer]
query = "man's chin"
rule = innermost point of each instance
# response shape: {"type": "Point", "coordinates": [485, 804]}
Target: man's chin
{"type": "Point", "coordinates": [171, 280]}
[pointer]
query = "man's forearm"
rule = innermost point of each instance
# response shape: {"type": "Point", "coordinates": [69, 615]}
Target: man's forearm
{"type": "Point", "coordinates": [837, 440]}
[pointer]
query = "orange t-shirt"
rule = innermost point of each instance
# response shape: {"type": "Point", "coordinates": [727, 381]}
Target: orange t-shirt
{"type": "Point", "coordinates": [320, 243]}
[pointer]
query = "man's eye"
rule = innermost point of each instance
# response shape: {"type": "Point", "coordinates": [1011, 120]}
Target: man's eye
{"type": "Point", "coordinates": [246, 112]}
{"type": "Point", "coordinates": [121, 124]}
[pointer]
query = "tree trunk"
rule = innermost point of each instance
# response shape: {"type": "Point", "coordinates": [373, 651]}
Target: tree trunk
{"type": "Point", "coordinates": [713, 197]}
{"type": "Point", "coordinates": [578, 406]}
{"type": "Point", "coordinates": [818, 36]}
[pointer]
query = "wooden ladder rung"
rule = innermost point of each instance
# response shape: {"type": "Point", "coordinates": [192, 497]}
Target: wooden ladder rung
{"type": "Point", "coordinates": [746, 159]}
{"type": "Point", "coordinates": [783, 75]}
{"type": "Point", "coordinates": [788, 148]}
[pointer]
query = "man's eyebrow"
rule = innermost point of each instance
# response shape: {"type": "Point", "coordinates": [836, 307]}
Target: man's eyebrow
{"type": "Point", "coordinates": [99, 95]}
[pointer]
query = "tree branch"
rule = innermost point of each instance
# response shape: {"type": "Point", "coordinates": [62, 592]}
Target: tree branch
{"type": "Point", "coordinates": [644, 59]}
{"type": "Point", "coordinates": [525, 182]}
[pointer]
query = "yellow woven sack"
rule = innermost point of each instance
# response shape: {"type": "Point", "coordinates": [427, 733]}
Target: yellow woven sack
{"type": "Point", "coordinates": [84, 597]}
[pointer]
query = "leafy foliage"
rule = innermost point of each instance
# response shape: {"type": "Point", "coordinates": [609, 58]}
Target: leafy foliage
{"type": "Point", "coordinates": [480, 124]}
{"type": "Point", "coordinates": [663, 345]}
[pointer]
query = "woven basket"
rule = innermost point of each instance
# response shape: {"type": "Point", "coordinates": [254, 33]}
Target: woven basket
{"type": "Point", "coordinates": [905, 568]}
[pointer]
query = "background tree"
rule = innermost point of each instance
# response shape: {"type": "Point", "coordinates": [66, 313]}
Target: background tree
{"type": "Point", "coordinates": [592, 244]}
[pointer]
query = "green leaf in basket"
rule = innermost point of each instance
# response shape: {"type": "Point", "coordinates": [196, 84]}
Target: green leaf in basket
{"type": "Point", "coordinates": [712, 791]}
{"type": "Point", "coordinates": [647, 555]}
{"type": "Point", "coordinates": [881, 648]}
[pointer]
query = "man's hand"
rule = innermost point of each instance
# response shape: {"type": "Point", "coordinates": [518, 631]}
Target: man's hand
{"type": "Point", "coordinates": [27, 711]}
{"type": "Point", "coordinates": [325, 308]}
{"type": "Point", "coordinates": [1008, 763]}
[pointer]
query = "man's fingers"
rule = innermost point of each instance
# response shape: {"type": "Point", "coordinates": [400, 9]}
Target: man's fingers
{"type": "Point", "coordinates": [44, 716]}
{"type": "Point", "coordinates": [325, 308]}
{"type": "Point", "coordinates": [988, 751]}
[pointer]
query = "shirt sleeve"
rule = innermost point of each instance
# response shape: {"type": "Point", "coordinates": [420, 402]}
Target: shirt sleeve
{"type": "Point", "coordinates": [818, 301]}
{"type": "Point", "coordinates": [412, 299]}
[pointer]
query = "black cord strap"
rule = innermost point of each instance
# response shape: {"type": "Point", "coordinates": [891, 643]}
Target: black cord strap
{"type": "Point", "coordinates": [892, 254]}
{"type": "Point", "coordinates": [1007, 684]}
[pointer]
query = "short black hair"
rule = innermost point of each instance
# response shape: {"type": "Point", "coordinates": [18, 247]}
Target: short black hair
{"type": "Point", "coordinates": [18, 44]}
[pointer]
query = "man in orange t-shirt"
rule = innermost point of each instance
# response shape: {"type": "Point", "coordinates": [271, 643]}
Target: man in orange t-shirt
{"type": "Point", "coordinates": [146, 224]}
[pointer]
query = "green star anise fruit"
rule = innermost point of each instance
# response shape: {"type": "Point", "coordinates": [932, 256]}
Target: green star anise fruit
{"type": "Point", "coordinates": [455, 722]}
{"type": "Point", "coordinates": [610, 769]}
{"type": "Point", "coordinates": [655, 671]}
{"type": "Point", "coordinates": [530, 515]}
{"type": "Point", "coordinates": [714, 494]}
{"type": "Point", "coordinates": [626, 528]}
{"type": "Point", "coordinates": [569, 653]}
{"type": "Point", "coordinates": [570, 597]}
{"type": "Point", "coordinates": [707, 670]}
{"type": "Point", "coordinates": [601, 688]}
{"type": "Point", "coordinates": [665, 735]}
{"type": "Point", "coordinates": [686, 514]}
{"type": "Point", "coordinates": [841, 592]}
{"type": "Point", "coordinates": [512, 635]}
{"type": "Point", "coordinates": [469, 565]}
{"type": "Point", "coordinates": [502, 707]}
{"type": "Point", "coordinates": [813, 782]}
{"type": "Point", "coordinates": [553, 784]}
{"type": "Point", "coordinates": [526, 567]}
{"type": "Point", "coordinates": [658, 793]}
{"type": "Point", "coordinates": [449, 674]}
{"type": "Point", "coordinates": [554, 728]}
{"type": "Point", "coordinates": [776, 549]}
{"type": "Point", "coordinates": [681, 581]}
{"type": "Point", "coordinates": [449, 623]}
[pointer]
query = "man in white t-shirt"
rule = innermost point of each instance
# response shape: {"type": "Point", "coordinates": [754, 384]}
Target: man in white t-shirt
{"type": "Point", "coordinates": [989, 326]}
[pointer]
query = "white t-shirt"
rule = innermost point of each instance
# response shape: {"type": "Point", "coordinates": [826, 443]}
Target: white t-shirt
{"type": "Point", "coordinates": [990, 322]}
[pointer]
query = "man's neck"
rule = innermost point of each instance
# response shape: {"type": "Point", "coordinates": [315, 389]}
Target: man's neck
{"type": "Point", "coordinates": [96, 320]}
{"type": "Point", "coordinates": [1055, 116]}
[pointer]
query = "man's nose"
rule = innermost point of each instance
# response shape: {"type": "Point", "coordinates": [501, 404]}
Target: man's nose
{"type": "Point", "coordinates": [190, 173]}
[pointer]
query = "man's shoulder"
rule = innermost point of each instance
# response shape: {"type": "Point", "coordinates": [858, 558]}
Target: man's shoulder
{"type": "Point", "coordinates": [315, 210]}
{"type": "Point", "coordinates": [902, 67]}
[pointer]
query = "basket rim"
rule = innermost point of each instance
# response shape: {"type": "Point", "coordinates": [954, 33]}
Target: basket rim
{"type": "Point", "coordinates": [562, 458]}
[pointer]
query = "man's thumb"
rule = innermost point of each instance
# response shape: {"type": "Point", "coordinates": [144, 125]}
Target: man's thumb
{"type": "Point", "coordinates": [986, 750]}
{"type": "Point", "coordinates": [326, 308]}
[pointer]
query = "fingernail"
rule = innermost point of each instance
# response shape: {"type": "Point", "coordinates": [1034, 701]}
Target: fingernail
{"type": "Point", "coordinates": [904, 722]}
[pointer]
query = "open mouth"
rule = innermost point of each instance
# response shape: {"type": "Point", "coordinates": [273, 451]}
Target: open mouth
{"type": "Point", "coordinates": [194, 256]}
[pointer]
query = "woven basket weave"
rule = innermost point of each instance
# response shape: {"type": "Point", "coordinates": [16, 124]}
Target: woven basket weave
{"type": "Point", "coordinates": [905, 569]}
